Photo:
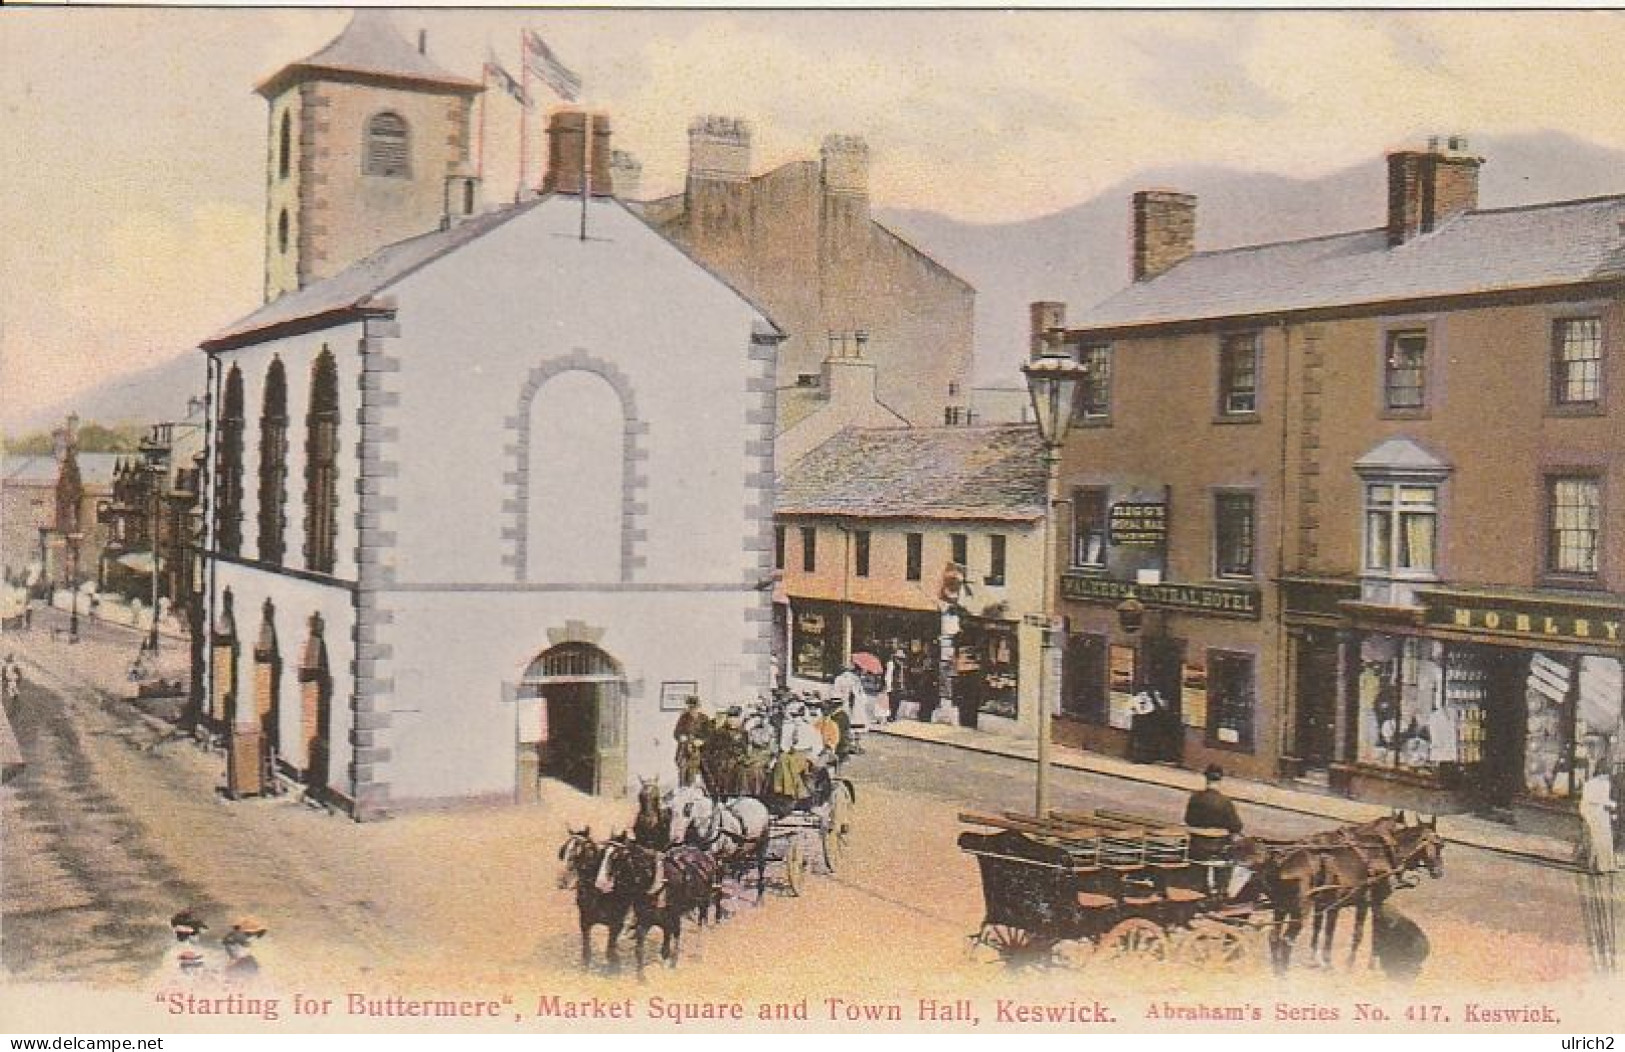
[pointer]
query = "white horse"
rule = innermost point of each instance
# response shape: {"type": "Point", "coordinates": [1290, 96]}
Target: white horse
{"type": "Point", "coordinates": [734, 831]}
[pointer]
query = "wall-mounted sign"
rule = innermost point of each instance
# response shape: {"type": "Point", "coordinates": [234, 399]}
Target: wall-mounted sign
{"type": "Point", "coordinates": [1604, 625]}
{"type": "Point", "coordinates": [1136, 524]}
{"type": "Point", "coordinates": [1223, 601]}
{"type": "Point", "coordinates": [674, 694]}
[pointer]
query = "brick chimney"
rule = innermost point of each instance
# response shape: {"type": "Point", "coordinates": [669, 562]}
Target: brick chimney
{"type": "Point", "coordinates": [564, 134]}
{"type": "Point", "coordinates": [1428, 187]}
{"type": "Point", "coordinates": [1045, 315]}
{"type": "Point", "coordinates": [1164, 231]}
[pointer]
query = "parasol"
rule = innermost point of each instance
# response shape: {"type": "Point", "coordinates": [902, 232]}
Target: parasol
{"type": "Point", "coordinates": [867, 662]}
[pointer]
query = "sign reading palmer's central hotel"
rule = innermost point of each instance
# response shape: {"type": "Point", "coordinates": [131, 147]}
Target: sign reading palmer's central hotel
{"type": "Point", "coordinates": [1223, 601]}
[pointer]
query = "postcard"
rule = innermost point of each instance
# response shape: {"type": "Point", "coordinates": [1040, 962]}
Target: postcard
{"type": "Point", "coordinates": [539, 520]}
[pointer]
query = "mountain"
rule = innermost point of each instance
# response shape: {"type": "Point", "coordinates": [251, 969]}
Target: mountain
{"type": "Point", "coordinates": [1080, 255]}
{"type": "Point", "coordinates": [145, 397]}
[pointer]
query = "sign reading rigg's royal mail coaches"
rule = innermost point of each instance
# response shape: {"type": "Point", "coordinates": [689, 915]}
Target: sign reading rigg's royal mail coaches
{"type": "Point", "coordinates": [1199, 598]}
{"type": "Point", "coordinates": [1527, 619]}
{"type": "Point", "coordinates": [1138, 524]}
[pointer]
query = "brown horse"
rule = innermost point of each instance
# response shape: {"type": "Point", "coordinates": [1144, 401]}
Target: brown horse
{"type": "Point", "coordinates": [596, 904]}
{"type": "Point", "coordinates": [652, 827]}
{"type": "Point", "coordinates": [663, 887]}
{"type": "Point", "coordinates": [1365, 870]}
{"type": "Point", "coordinates": [1288, 877]}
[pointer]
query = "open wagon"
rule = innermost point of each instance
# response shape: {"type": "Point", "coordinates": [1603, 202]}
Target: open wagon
{"type": "Point", "coordinates": [1071, 886]}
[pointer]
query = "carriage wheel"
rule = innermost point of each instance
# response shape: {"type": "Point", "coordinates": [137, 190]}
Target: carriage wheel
{"type": "Point", "coordinates": [1073, 953]}
{"type": "Point", "coordinates": [1136, 937]}
{"type": "Point", "coordinates": [1217, 947]}
{"type": "Point", "coordinates": [1015, 947]}
{"type": "Point", "coordinates": [840, 822]}
{"type": "Point", "coordinates": [795, 867]}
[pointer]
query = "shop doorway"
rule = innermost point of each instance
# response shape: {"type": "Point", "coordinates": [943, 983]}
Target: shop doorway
{"type": "Point", "coordinates": [1162, 733]}
{"type": "Point", "coordinates": [582, 691]}
{"type": "Point", "coordinates": [1506, 673]}
{"type": "Point", "coordinates": [1315, 730]}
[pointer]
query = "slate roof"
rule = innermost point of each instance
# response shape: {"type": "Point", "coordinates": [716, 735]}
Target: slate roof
{"type": "Point", "coordinates": [1489, 250]}
{"type": "Point", "coordinates": [921, 473]}
{"type": "Point", "coordinates": [352, 287]}
{"type": "Point", "coordinates": [370, 45]}
{"type": "Point", "coordinates": [39, 469]}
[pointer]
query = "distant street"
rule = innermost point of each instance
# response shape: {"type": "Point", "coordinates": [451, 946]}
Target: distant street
{"type": "Point", "coordinates": [116, 824]}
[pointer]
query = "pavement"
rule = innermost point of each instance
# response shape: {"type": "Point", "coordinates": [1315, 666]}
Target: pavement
{"type": "Point", "coordinates": [1457, 829]}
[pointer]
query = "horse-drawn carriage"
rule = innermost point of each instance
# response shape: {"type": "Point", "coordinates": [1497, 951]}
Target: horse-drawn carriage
{"type": "Point", "coordinates": [757, 804]}
{"type": "Point", "coordinates": [1070, 886]}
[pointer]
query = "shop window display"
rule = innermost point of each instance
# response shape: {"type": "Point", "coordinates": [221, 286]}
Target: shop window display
{"type": "Point", "coordinates": [1230, 699]}
{"type": "Point", "coordinates": [1402, 701]}
{"type": "Point", "coordinates": [1573, 721]}
{"type": "Point", "coordinates": [1120, 686]}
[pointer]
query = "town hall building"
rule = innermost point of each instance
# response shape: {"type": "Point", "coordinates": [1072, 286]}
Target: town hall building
{"type": "Point", "coordinates": [491, 490]}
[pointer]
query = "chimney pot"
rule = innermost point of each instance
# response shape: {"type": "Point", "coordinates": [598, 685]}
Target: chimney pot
{"type": "Point", "coordinates": [1164, 231]}
{"type": "Point", "coordinates": [1045, 317]}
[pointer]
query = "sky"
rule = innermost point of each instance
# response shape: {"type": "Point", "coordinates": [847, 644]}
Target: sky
{"type": "Point", "coordinates": [132, 225]}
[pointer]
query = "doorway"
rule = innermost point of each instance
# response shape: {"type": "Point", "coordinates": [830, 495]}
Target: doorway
{"type": "Point", "coordinates": [582, 693]}
{"type": "Point", "coordinates": [1506, 675]}
{"type": "Point", "coordinates": [1315, 722]}
{"type": "Point", "coordinates": [1163, 676]}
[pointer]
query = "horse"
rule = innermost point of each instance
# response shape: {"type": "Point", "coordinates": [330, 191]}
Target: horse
{"type": "Point", "coordinates": [1365, 868]}
{"type": "Point", "coordinates": [597, 903]}
{"type": "Point", "coordinates": [663, 886]}
{"type": "Point", "coordinates": [652, 827]}
{"type": "Point", "coordinates": [732, 831]}
{"type": "Point", "coordinates": [1289, 876]}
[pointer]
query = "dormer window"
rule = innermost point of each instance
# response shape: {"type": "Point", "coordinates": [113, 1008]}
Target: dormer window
{"type": "Point", "coordinates": [388, 149]}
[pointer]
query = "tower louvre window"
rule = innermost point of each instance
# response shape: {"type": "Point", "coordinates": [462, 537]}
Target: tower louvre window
{"type": "Point", "coordinates": [388, 150]}
{"type": "Point", "coordinates": [285, 146]}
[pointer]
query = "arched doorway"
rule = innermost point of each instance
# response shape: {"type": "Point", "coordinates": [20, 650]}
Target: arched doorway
{"type": "Point", "coordinates": [581, 693]}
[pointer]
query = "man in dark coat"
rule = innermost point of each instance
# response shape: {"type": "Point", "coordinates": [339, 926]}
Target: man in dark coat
{"type": "Point", "coordinates": [1208, 808]}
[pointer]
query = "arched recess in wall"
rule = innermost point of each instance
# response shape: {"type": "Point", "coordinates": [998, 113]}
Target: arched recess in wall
{"type": "Point", "coordinates": [229, 502]}
{"type": "Point", "coordinates": [273, 489]}
{"type": "Point", "coordinates": [388, 147]}
{"type": "Point", "coordinates": [316, 708]}
{"type": "Point", "coordinates": [576, 508]}
{"type": "Point", "coordinates": [268, 680]}
{"type": "Point", "coordinates": [321, 465]}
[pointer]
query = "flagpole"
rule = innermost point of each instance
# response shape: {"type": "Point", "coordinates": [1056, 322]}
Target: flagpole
{"type": "Point", "coordinates": [586, 170]}
{"type": "Point", "coordinates": [524, 135]}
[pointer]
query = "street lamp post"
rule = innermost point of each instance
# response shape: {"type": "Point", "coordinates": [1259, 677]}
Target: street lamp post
{"type": "Point", "coordinates": [155, 454]}
{"type": "Point", "coordinates": [1052, 381]}
{"type": "Point", "coordinates": [74, 541]}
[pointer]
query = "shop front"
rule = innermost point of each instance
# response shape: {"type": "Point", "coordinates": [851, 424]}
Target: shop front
{"type": "Point", "coordinates": [1497, 702]}
{"type": "Point", "coordinates": [987, 679]}
{"type": "Point", "coordinates": [1176, 681]}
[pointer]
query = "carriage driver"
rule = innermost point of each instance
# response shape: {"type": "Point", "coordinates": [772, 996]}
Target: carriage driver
{"type": "Point", "coordinates": [1209, 808]}
{"type": "Point", "coordinates": [690, 734]}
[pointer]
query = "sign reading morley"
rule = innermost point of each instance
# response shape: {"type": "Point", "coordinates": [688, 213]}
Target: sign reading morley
{"type": "Point", "coordinates": [462, 349]}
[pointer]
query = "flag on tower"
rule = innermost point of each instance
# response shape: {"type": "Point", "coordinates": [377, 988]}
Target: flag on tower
{"type": "Point", "coordinates": [507, 81]}
{"type": "Point", "coordinates": [541, 61]}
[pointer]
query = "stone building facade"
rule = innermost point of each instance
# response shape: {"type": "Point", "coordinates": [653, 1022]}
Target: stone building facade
{"type": "Point", "coordinates": [1363, 485]}
{"type": "Point", "coordinates": [464, 525]}
{"type": "Point", "coordinates": [800, 240]}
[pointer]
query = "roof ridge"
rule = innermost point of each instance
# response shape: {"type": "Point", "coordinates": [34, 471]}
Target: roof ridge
{"type": "Point", "coordinates": [1568, 203]}
{"type": "Point", "coordinates": [1260, 245]}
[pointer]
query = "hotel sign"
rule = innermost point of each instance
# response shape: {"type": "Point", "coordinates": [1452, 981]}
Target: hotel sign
{"type": "Point", "coordinates": [1600, 625]}
{"type": "Point", "coordinates": [1218, 600]}
{"type": "Point", "coordinates": [1138, 525]}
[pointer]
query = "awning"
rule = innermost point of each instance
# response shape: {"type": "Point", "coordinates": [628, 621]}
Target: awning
{"type": "Point", "coordinates": [140, 562]}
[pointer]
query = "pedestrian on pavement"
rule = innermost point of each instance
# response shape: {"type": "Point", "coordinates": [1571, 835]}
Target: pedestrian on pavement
{"type": "Point", "coordinates": [1597, 813]}
{"type": "Point", "coordinates": [12, 676]}
{"type": "Point", "coordinates": [849, 692]}
{"type": "Point", "coordinates": [1209, 808]}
